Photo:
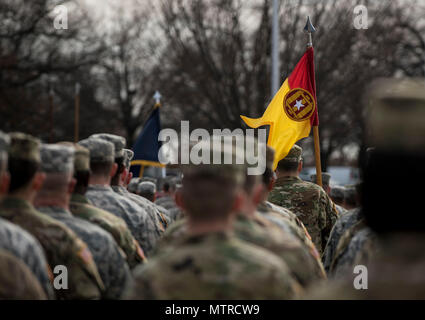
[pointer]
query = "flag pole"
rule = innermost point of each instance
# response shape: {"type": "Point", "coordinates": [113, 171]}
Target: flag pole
{"type": "Point", "coordinates": [275, 49]}
{"type": "Point", "coordinates": [309, 29]}
{"type": "Point", "coordinates": [51, 111]}
{"type": "Point", "coordinates": [77, 112]}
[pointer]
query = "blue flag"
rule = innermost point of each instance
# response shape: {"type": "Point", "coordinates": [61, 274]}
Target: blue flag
{"type": "Point", "coordinates": [147, 146]}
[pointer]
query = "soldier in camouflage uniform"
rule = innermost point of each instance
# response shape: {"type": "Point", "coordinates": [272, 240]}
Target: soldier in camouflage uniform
{"type": "Point", "coordinates": [357, 246]}
{"type": "Point", "coordinates": [396, 127]}
{"type": "Point", "coordinates": [57, 162]}
{"type": "Point", "coordinates": [23, 246]}
{"type": "Point", "coordinates": [61, 245]}
{"type": "Point", "coordinates": [326, 179]}
{"type": "Point", "coordinates": [307, 200]}
{"type": "Point", "coordinates": [282, 217]}
{"type": "Point", "coordinates": [254, 228]}
{"type": "Point", "coordinates": [166, 200]}
{"type": "Point", "coordinates": [81, 207]}
{"type": "Point", "coordinates": [17, 241]}
{"type": "Point", "coordinates": [208, 262]}
{"type": "Point", "coordinates": [158, 214]}
{"type": "Point", "coordinates": [17, 282]}
{"type": "Point", "coordinates": [117, 182]}
{"type": "Point", "coordinates": [100, 193]}
{"type": "Point", "coordinates": [343, 224]}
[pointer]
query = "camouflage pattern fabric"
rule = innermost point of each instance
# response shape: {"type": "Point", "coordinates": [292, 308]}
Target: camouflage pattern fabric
{"type": "Point", "coordinates": [341, 210]}
{"type": "Point", "coordinates": [25, 247]}
{"type": "Point", "coordinates": [108, 256]}
{"type": "Point", "coordinates": [153, 212]}
{"type": "Point", "coordinates": [395, 272]}
{"type": "Point", "coordinates": [305, 268]}
{"type": "Point", "coordinates": [345, 222]}
{"type": "Point", "coordinates": [311, 205]}
{"type": "Point", "coordinates": [356, 247]}
{"type": "Point", "coordinates": [62, 247]}
{"type": "Point", "coordinates": [290, 224]}
{"type": "Point", "coordinates": [168, 203]}
{"type": "Point", "coordinates": [17, 282]}
{"type": "Point", "coordinates": [81, 207]}
{"type": "Point", "coordinates": [138, 221]}
{"type": "Point", "coordinates": [214, 266]}
{"type": "Point", "coordinates": [258, 231]}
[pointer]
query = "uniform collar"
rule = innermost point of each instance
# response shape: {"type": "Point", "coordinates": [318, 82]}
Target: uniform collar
{"type": "Point", "coordinates": [285, 180]}
{"type": "Point", "coordinates": [13, 202]}
{"type": "Point", "coordinates": [79, 198]}
{"type": "Point", "coordinates": [54, 211]}
{"type": "Point", "coordinates": [98, 187]}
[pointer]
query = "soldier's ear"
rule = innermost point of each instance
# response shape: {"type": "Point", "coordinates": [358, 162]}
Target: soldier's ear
{"type": "Point", "coordinates": [300, 166]}
{"type": "Point", "coordinates": [38, 181]}
{"type": "Point", "coordinates": [179, 199]}
{"type": "Point", "coordinates": [4, 183]}
{"type": "Point", "coordinates": [238, 201]}
{"type": "Point", "coordinates": [71, 185]}
{"type": "Point", "coordinates": [257, 194]}
{"type": "Point", "coordinates": [114, 169]}
{"type": "Point", "coordinates": [129, 177]}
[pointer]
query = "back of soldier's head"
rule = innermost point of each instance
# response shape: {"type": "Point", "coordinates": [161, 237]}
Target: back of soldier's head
{"type": "Point", "coordinates": [209, 190]}
{"type": "Point", "coordinates": [396, 128]}
{"type": "Point", "coordinates": [119, 143]}
{"type": "Point", "coordinates": [291, 162]}
{"type": "Point", "coordinates": [101, 155]}
{"type": "Point", "coordinates": [147, 189]}
{"type": "Point", "coordinates": [24, 160]}
{"type": "Point", "coordinates": [81, 166]}
{"type": "Point", "coordinates": [57, 162]}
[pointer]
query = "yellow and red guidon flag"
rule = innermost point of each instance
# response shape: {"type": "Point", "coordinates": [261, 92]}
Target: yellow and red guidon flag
{"type": "Point", "coordinates": [293, 110]}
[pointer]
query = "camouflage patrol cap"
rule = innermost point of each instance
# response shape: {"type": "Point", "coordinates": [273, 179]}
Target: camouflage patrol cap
{"type": "Point", "coordinates": [146, 186]}
{"type": "Point", "coordinates": [118, 141]}
{"type": "Point", "coordinates": [397, 115]}
{"type": "Point", "coordinates": [294, 155]}
{"type": "Point", "coordinates": [326, 178]}
{"type": "Point", "coordinates": [338, 193]}
{"type": "Point", "coordinates": [81, 156]}
{"type": "Point", "coordinates": [100, 150]}
{"type": "Point", "coordinates": [4, 142]}
{"type": "Point", "coordinates": [132, 186]}
{"type": "Point", "coordinates": [128, 156]}
{"type": "Point", "coordinates": [57, 158]}
{"type": "Point", "coordinates": [24, 147]}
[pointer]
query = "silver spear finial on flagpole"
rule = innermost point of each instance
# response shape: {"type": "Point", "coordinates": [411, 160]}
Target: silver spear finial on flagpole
{"type": "Point", "coordinates": [309, 29]}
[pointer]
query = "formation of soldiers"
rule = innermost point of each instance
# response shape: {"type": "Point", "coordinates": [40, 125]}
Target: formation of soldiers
{"type": "Point", "coordinates": [74, 224]}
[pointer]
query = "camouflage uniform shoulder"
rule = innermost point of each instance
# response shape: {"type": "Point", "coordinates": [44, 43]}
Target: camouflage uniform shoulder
{"type": "Point", "coordinates": [230, 269]}
{"type": "Point", "coordinates": [343, 223]}
{"type": "Point", "coordinates": [356, 247]}
{"type": "Point", "coordinates": [25, 247]}
{"type": "Point", "coordinates": [303, 265]}
{"type": "Point", "coordinates": [108, 257]}
{"type": "Point", "coordinates": [62, 247]}
{"type": "Point", "coordinates": [17, 282]}
{"type": "Point", "coordinates": [115, 226]}
{"type": "Point", "coordinates": [137, 219]}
